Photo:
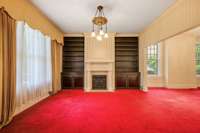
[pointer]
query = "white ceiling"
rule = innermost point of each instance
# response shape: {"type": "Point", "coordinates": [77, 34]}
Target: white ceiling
{"type": "Point", "coordinates": [124, 16]}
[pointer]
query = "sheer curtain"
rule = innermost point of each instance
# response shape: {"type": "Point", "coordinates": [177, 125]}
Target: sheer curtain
{"type": "Point", "coordinates": [34, 67]}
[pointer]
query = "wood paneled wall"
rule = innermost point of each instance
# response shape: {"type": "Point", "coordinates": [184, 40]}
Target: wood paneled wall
{"type": "Point", "coordinates": [180, 17]}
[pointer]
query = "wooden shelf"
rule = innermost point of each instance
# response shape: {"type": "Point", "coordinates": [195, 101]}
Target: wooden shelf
{"type": "Point", "coordinates": [127, 64]}
{"type": "Point", "coordinates": [73, 62]}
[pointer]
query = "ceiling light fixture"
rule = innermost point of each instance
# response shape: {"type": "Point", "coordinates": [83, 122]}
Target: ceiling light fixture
{"type": "Point", "coordinates": [99, 29]}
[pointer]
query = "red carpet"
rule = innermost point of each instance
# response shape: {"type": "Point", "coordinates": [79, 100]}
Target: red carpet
{"type": "Point", "coordinates": [125, 111]}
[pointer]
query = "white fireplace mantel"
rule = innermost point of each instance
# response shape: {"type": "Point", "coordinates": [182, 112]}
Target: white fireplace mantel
{"type": "Point", "coordinates": [99, 60]}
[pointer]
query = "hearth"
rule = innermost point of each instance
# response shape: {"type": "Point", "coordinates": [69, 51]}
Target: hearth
{"type": "Point", "coordinates": [99, 82]}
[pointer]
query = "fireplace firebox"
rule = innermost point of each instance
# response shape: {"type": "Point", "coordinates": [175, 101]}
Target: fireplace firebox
{"type": "Point", "coordinates": [99, 82]}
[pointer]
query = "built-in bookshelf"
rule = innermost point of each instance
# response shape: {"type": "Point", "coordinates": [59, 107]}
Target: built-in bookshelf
{"type": "Point", "coordinates": [127, 62]}
{"type": "Point", "coordinates": [73, 62]}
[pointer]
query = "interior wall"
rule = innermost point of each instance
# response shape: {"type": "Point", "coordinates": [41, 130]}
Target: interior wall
{"type": "Point", "coordinates": [180, 64]}
{"type": "Point", "coordinates": [177, 63]}
{"type": "Point", "coordinates": [23, 10]}
{"type": "Point", "coordinates": [99, 58]}
{"type": "Point", "coordinates": [99, 51]}
{"type": "Point", "coordinates": [180, 17]}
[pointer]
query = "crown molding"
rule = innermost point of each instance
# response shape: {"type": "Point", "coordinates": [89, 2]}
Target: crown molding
{"type": "Point", "coordinates": [116, 35]}
{"type": "Point", "coordinates": [127, 35]}
{"type": "Point", "coordinates": [74, 35]}
{"type": "Point", "coordinates": [111, 34]}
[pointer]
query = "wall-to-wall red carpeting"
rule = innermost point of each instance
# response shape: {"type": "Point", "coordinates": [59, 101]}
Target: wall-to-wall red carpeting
{"type": "Point", "coordinates": [124, 111]}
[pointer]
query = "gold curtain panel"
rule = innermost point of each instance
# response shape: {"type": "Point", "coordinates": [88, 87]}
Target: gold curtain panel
{"type": "Point", "coordinates": [7, 67]}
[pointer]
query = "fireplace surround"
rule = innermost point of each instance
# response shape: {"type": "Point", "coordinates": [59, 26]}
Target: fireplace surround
{"type": "Point", "coordinates": [99, 60]}
{"type": "Point", "coordinates": [101, 69]}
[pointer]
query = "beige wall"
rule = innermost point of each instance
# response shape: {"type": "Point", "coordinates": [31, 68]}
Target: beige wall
{"type": "Point", "coordinates": [182, 16]}
{"type": "Point", "coordinates": [99, 51]}
{"type": "Point", "coordinates": [177, 63]}
{"type": "Point", "coordinates": [99, 59]}
{"type": "Point", "coordinates": [180, 56]}
{"type": "Point", "coordinates": [25, 11]}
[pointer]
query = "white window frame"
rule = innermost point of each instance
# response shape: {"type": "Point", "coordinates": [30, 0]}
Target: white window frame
{"type": "Point", "coordinates": [158, 61]}
{"type": "Point", "coordinates": [197, 74]}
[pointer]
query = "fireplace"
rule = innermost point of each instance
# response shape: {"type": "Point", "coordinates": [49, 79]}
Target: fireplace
{"type": "Point", "coordinates": [99, 82]}
{"type": "Point", "coordinates": [99, 64]}
{"type": "Point", "coordinates": [98, 76]}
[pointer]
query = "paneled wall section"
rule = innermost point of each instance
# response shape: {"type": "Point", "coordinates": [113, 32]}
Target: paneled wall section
{"type": "Point", "coordinates": [180, 17]}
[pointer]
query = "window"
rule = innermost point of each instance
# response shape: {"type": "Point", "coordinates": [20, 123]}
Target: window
{"type": "Point", "coordinates": [198, 58]}
{"type": "Point", "coordinates": [34, 77]}
{"type": "Point", "coordinates": [153, 59]}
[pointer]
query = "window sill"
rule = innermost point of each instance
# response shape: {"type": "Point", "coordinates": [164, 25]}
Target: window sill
{"type": "Point", "coordinates": [156, 76]}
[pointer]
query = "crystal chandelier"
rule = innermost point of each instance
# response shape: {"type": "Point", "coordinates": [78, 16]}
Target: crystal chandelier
{"type": "Point", "coordinates": [99, 29]}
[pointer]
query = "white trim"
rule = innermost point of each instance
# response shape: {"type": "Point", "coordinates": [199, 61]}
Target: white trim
{"type": "Point", "coordinates": [145, 90]}
{"type": "Point", "coordinates": [127, 35]}
{"type": "Point", "coordinates": [106, 90]}
{"type": "Point", "coordinates": [154, 75]}
{"type": "Point", "coordinates": [74, 35]}
{"type": "Point", "coordinates": [181, 86]}
{"type": "Point", "coordinates": [117, 35]}
{"type": "Point", "coordinates": [28, 105]}
{"type": "Point", "coordinates": [158, 61]}
{"type": "Point", "coordinates": [196, 46]}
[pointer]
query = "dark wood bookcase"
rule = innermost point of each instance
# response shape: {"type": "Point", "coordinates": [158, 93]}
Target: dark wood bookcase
{"type": "Point", "coordinates": [126, 56]}
{"type": "Point", "coordinates": [127, 62]}
{"type": "Point", "coordinates": [73, 63]}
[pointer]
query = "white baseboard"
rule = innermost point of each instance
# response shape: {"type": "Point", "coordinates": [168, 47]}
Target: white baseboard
{"type": "Point", "coordinates": [103, 90]}
{"type": "Point", "coordinates": [145, 90]}
{"type": "Point", "coordinates": [181, 86]}
{"type": "Point", "coordinates": [29, 104]}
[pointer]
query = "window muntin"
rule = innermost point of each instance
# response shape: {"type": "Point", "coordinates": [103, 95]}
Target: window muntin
{"type": "Point", "coordinates": [153, 59]}
{"type": "Point", "coordinates": [198, 59]}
